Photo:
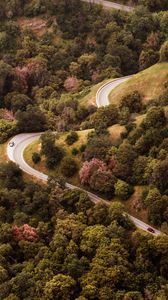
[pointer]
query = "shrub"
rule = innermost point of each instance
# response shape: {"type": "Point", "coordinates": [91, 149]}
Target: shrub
{"type": "Point", "coordinates": [75, 151]}
{"type": "Point", "coordinates": [124, 115]}
{"type": "Point", "coordinates": [68, 167]}
{"type": "Point", "coordinates": [52, 161]}
{"type": "Point", "coordinates": [55, 158]}
{"type": "Point", "coordinates": [36, 157]}
{"type": "Point", "coordinates": [82, 148]}
{"type": "Point", "coordinates": [124, 135]}
{"type": "Point", "coordinates": [72, 138]}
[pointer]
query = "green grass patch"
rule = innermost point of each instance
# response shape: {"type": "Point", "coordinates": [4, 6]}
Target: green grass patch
{"type": "Point", "coordinates": [149, 83]}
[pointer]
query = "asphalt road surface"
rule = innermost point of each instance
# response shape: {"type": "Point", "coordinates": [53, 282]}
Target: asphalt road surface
{"type": "Point", "coordinates": [110, 5]}
{"type": "Point", "coordinates": [21, 141]}
{"type": "Point", "coordinates": [104, 91]}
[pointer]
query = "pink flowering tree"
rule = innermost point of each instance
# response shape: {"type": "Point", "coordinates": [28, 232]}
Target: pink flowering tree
{"type": "Point", "coordinates": [89, 167]}
{"type": "Point", "coordinates": [71, 84]}
{"type": "Point", "coordinates": [25, 232]}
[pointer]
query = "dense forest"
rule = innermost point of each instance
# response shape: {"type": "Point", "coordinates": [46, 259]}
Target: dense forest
{"type": "Point", "coordinates": [152, 5]}
{"type": "Point", "coordinates": [55, 243]}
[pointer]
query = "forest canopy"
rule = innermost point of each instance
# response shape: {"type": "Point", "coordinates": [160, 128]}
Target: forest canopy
{"type": "Point", "coordinates": [55, 243]}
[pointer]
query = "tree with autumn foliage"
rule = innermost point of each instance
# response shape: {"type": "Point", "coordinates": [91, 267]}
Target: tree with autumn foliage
{"type": "Point", "coordinates": [25, 232]}
{"type": "Point", "coordinates": [89, 167]}
{"type": "Point", "coordinates": [96, 174]}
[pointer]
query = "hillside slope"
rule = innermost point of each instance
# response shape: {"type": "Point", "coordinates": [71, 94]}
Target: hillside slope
{"type": "Point", "coordinates": [150, 83]}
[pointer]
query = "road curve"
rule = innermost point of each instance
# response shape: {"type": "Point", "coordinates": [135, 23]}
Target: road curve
{"type": "Point", "coordinates": [111, 5]}
{"type": "Point", "coordinates": [21, 141]}
{"type": "Point", "coordinates": [102, 95]}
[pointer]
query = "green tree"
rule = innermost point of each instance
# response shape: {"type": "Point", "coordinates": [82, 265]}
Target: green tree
{"type": "Point", "coordinates": [53, 153]}
{"type": "Point", "coordinates": [103, 181]}
{"type": "Point", "coordinates": [7, 129]}
{"type": "Point", "coordinates": [92, 238]}
{"type": "Point", "coordinates": [97, 146]}
{"type": "Point", "coordinates": [155, 117]}
{"type": "Point", "coordinates": [160, 175]}
{"type": "Point", "coordinates": [105, 116]}
{"type": "Point", "coordinates": [122, 189]}
{"type": "Point", "coordinates": [11, 175]}
{"type": "Point", "coordinates": [31, 120]}
{"type": "Point", "coordinates": [47, 143]}
{"type": "Point", "coordinates": [148, 58]}
{"type": "Point", "coordinates": [152, 196]}
{"type": "Point", "coordinates": [68, 166]}
{"type": "Point", "coordinates": [139, 167]}
{"type": "Point", "coordinates": [15, 101]}
{"type": "Point", "coordinates": [132, 101]}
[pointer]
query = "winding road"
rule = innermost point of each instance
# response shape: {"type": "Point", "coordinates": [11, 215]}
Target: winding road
{"type": "Point", "coordinates": [21, 141]}
{"type": "Point", "coordinates": [102, 96]}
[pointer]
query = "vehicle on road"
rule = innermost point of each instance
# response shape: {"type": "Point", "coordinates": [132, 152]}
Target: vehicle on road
{"type": "Point", "coordinates": [11, 144]}
{"type": "Point", "coordinates": [151, 230]}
